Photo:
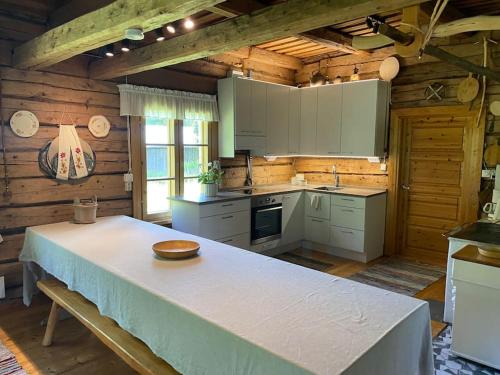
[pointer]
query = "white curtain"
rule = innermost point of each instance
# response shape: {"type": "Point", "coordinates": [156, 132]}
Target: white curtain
{"type": "Point", "coordinates": [170, 104]}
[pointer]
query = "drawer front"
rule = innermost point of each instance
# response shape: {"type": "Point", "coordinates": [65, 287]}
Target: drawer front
{"type": "Point", "coordinates": [348, 217]}
{"type": "Point", "coordinates": [348, 201]}
{"type": "Point", "coordinates": [319, 210]}
{"type": "Point", "coordinates": [241, 240]}
{"type": "Point", "coordinates": [349, 239]}
{"type": "Point", "coordinates": [317, 230]}
{"type": "Point", "coordinates": [225, 225]}
{"type": "Point", "coordinates": [212, 209]}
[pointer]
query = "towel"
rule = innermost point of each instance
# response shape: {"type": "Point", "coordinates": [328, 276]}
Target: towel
{"type": "Point", "coordinates": [315, 201]}
{"type": "Point", "coordinates": [70, 149]}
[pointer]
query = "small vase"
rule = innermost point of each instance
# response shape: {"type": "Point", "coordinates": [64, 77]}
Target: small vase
{"type": "Point", "coordinates": [209, 190]}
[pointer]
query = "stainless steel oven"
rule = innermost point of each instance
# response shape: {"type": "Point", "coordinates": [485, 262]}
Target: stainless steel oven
{"type": "Point", "coordinates": [266, 218]}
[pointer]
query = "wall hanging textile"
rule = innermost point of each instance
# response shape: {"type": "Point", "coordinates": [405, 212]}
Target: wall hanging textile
{"type": "Point", "coordinates": [70, 151]}
{"type": "Point", "coordinates": [169, 104]}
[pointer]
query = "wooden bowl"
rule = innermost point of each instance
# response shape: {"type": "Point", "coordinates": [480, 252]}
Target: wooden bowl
{"type": "Point", "coordinates": [176, 249]}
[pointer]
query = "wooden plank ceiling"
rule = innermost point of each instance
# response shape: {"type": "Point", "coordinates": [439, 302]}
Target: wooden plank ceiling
{"type": "Point", "coordinates": [333, 40]}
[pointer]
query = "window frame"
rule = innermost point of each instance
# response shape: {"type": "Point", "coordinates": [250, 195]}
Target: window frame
{"type": "Point", "coordinates": [138, 139]}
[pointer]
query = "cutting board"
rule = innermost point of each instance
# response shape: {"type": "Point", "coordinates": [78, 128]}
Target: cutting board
{"type": "Point", "coordinates": [492, 155]}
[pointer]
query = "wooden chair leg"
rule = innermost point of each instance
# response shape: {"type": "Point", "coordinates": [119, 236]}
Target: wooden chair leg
{"type": "Point", "coordinates": [51, 324]}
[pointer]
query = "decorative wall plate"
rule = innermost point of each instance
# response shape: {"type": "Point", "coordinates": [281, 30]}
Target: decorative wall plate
{"type": "Point", "coordinates": [99, 126]}
{"type": "Point", "coordinates": [24, 124]}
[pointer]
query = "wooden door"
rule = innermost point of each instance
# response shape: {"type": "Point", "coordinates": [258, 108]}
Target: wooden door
{"type": "Point", "coordinates": [436, 163]}
{"type": "Point", "coordinates": [329, 120]}
{"type": "Point", "coordinates": [277, 119]}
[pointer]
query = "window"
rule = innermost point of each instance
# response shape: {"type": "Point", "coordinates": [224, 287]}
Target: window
{"type": "Point", "coordinates": [174, 154]}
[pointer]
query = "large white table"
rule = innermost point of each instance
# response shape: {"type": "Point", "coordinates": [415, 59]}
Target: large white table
{"type": "Point", "coordinates": [231, 311]}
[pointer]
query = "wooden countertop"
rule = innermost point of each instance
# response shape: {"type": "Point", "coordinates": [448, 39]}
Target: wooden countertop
{"type": "Point", "coordinates": [471, 254]}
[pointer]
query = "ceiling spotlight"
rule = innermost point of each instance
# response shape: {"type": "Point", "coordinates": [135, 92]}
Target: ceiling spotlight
{"type": "Point", "coordinates": [134, 34]}
{"type": "Point", "coordinates": [109, 50]}
{"type": "Point", "coordinates": [125, 45]}
{"type": "Point", "coordinates": [188, 23]}
{"type": "Point", "coordinates": [159, 35]}
{"type": "Point", "coordinates": [170, 29]}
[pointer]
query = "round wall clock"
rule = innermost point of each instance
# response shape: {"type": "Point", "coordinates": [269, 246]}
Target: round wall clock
{"type": "Point", "coordinates": [24, 124]}
{"type": "Point", "coordinates": [99, 126]}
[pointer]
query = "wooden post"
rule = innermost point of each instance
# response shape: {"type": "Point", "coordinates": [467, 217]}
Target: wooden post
{"type": "Point", "coordinates": [51, 325]}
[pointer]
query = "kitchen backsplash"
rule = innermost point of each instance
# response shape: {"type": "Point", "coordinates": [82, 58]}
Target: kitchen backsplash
{"type": "Point", "coordinates": [357, 172]}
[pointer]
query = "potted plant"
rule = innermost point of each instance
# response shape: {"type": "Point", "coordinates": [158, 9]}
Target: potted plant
{"type": "Point", "coordinates": [211, 179]}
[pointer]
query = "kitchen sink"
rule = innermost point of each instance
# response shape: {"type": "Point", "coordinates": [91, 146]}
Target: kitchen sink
{"type": "Point", "coordinates": [329, 188]}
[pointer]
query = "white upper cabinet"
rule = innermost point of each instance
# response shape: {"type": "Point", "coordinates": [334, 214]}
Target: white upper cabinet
{"type": "Point", "coordinates": [364, 117]}
{"type": "Point", "coordinates": [308, 117]}
{"type": "Point", "coordinates": [329, 118]}
{"type": "Point", "coordinates": [294, 121]}
{"type": "Point", "coordinates": [277, 119]}
{"type": "Point", "coordinates": [242, 113]}
{"type": "Point", "coordinates": [258, 108]}
{"type": "Point", "coordinates": [269, 119]}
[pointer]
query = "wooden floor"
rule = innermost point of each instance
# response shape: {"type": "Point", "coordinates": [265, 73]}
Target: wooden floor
{"type": "Point", "coordinates": [76, 351]}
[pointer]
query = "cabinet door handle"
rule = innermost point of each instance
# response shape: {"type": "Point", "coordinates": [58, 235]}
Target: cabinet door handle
{"type": "Point", "coordinates": [344, 210]}
{"type": "Point", "coordinates": [226, 241]}
{"type": "Point", "coordinates": [227, 217]}
{"type": "Point", "coordinates": [347, 199]}
{"type": "Point", "coordinates": [347, 231]}
{"type": "Point", "coordinates": [317, 221]}
{"type": "Point", "coordinates": [227, 205]}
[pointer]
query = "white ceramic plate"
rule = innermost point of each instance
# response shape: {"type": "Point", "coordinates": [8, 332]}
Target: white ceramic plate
{"type": "Point", "coordinates": [99, 126]}
{"type": "Point", "coordinates": [24, 124]}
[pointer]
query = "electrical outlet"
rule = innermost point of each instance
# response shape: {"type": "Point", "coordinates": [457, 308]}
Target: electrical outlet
{"type": "Point", "coordinates": [383, 167]}
{"type": "Point", "coordinates": [2, 287]}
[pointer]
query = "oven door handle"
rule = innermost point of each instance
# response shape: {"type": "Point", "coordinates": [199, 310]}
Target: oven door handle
{"type": "Point", "coordinates": [270, 209]}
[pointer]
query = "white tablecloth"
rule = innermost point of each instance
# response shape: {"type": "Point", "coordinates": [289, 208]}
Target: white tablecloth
{"type": "Point", "coordinates": [231, 311]}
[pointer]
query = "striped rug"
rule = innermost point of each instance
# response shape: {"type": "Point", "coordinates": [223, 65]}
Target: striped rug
{"type": "Point", "coordinates": [8, 363]}
{"type": "Point", "coordinates": [304, 261]}
{"type": "Point", "coordinates": [400, 275]}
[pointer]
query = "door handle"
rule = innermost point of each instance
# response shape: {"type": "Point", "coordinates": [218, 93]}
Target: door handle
{"type": "Point", "coordinates": [405, 187]}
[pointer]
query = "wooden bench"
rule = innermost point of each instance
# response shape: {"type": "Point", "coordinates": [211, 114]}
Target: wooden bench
{"type": "Point", "coordinates": [132, 350]}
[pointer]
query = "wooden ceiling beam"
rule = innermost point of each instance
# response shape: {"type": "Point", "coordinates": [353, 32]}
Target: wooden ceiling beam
{"type": "Point", "coordinates": [267, 57]}
{"type": "Point", "coordinates": [282, 20]}
{"type": "Point", "coordinates": [100, 27]}
{"type": "Point", "coordinates": [74, 9]}
{"type": "Point", "coordinates": [332, 39]}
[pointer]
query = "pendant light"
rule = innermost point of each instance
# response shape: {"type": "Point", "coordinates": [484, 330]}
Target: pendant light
{"type": "Point", "coordinates": [355, 74]}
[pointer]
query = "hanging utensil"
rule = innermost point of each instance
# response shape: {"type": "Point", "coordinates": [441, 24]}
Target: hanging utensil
{"type": "Point", "coordinates": [468, 89]}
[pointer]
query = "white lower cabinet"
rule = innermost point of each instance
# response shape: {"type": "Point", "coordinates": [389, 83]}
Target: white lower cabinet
{"type": "Point", "coordinates": [292, 221]}
{"type": "Point", "coordinates": [317, 205]}
{"type": "Point", "coordinates": [240, 240]}
{"type": "Point", "coordinates": [227, 222]}
{"type": "Point", "coordinates": [317, 230]}
{"type": "Point", "coordinates": [349, 239]}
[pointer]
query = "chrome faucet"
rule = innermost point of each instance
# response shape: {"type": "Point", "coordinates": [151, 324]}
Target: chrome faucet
{"type": "Point", "coordinates": [335, 176]}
